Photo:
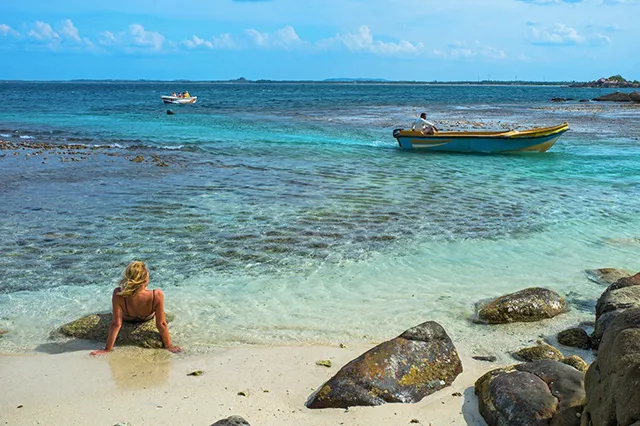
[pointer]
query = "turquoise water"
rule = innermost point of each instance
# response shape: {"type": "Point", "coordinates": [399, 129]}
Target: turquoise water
{"type": "Point", "coordinates": [287, 214]}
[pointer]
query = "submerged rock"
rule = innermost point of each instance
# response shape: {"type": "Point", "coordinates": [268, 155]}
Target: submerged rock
{"type": "Point", "coordinates": [530, 304]}
{"type": "Point", "coordinates": [535, 393]}
{"type": "Point", "coordinates": [611, 383]}
{"type": "Point", "coordinates": [415, 364]}
{"type": "Point", "coordinates": [232, 421]}
{"type": "Point", "coordinates": [618, 297]}
{"type": "Point", "coordinates": [607, 276]}
{"type": "Point", "coordinates": [96, 327]}
{"type": "Point", "coordinates": [538, 352]}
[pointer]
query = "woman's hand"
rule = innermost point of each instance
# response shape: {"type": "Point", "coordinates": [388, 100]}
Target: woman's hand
{"type": "Point", "coordinates": [100, 352]}
{"type": "Point", "coordinates": [174, 349]}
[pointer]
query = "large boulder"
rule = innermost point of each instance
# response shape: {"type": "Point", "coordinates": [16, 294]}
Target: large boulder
{"type": "Point", "coordinates": [614, 97]}
{"type": "Point", "coordinates": [415, 364]}
{"type": "Point", "coordinates": [607, 276]}
{"type": "Point", "coordinates": [530, 304]}
{"type": "Point", "coordinates": [619, 296]}
{"type": "Point", "coordinates": [96, 327]}
{"type": "Point", "coordinates": [612, 380]}
{"type": "Point", "coordinates": [635, 96]}
{"type": "Point", "coordinates": [536, 393]}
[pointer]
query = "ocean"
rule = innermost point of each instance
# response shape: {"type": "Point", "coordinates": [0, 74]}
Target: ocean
{"type": "Point", "coordinates": [285, 214]}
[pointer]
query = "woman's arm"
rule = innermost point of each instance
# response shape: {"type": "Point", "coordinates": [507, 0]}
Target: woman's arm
{"type": "Point", "coordinates": [116, 324]}
{"type": "Point", "coordinates": [161, 323]}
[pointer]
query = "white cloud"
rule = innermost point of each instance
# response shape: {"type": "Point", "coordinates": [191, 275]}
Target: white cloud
{"type": "Point", "coordinates": [6, 30]}
{"type": "Point", "coordinates": [557, 34]}
{"type": "Point", "coordinates": [284, 38]}
{"type": "Point", "coordinates": [362, 40]}
{"type": "Point", "coordinates": [64, 35]}
{"type": "Point", "coordinates": [459, 49]}
{"type": "Point", "coordinates": [143, 38]}
{"type": "Point", "coordinates": [562, 35]}
{"type": "Point", "coordinates": [41, 31]}
{"type": "Point", "coordinates": [135, 38]}
{"type": "Point", "coordinates": [195, 42]}
{"type": "Point", "coordinates": [69, 31]}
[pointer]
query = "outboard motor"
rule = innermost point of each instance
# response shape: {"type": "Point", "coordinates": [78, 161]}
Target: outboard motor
{"type": "Point", "coordinates": [396, 133]}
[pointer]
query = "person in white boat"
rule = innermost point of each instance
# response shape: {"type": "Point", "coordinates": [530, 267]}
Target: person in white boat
{"type": "Point", "coordinates": [422, 125]}
{"type": "Point", "coordinates": [186, 95]}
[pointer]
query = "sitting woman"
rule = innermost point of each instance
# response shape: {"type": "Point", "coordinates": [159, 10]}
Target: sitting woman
{"type": "Point", "coordinates": [134, 302]}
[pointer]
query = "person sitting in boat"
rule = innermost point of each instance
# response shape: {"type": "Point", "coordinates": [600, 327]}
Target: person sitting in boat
{"type": "Point", "coordinates": [187, 95]}
{"type": "Point", "coordinates": [422, 125]}
{"type": "Point", "coordinates": [134, 302]}
{"type": "Point", "coordinates": [174, 94]}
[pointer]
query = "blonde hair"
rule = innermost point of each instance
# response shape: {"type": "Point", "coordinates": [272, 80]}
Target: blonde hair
{"type": "Point", "coordinates": [135, 276]}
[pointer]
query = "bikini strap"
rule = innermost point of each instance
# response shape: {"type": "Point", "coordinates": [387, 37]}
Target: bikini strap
{"type": "Point", "coordinates": [126, 309]}
{"type": "Point", "coordinates": [153, 301]}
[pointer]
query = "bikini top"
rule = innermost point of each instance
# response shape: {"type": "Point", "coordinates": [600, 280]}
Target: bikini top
{"type": "Point", "coordinates": [142, 318]}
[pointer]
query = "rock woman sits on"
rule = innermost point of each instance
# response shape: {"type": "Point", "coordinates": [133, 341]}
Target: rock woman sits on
{"type": "Point", "coordinates": [134, 302]}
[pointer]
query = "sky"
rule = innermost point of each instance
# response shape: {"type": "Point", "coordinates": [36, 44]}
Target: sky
{"type": "Point", "coordinates": [416, 40]}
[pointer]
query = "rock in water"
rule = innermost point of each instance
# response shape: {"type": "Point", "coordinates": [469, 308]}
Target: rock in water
{"type": "Point", "coordinates": [611, 383]}
{"type": "Point", "coordinates": [606, 276]}
{"type": "Point", "coordinates": [614, 97]}
{"type": "Point", "coordinates": [232, 421]}
{"type": "Point", "coordinates": [415, 364]}
{"type": "Point", "coordinates": [575, 338]}
{"type": "Point", "coordinates": [619, 296]}
{"type": "Point", "coordinates": [635, 96]}
{"type": "Point", "coordinates": [530, 304]}
{"type": "Point", "coordinates": [535, 393]}
{"type": "Point", "coordinates": [540, 351]}
{"type": "Point", "coordinates": [96, 327]}
{"type": "Point", "coordinates": [170, 112]}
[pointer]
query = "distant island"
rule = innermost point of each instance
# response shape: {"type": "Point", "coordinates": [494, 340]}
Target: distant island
{"type": "Point", "coordinates": [615, 82]}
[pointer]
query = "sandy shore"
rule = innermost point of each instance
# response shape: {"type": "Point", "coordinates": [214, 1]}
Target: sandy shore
{"type": "Point", "coordinates": [149, 387]}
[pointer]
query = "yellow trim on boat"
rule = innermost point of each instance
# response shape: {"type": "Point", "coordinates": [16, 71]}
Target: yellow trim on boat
{"type": "Point", "coordinates": [508, 134]}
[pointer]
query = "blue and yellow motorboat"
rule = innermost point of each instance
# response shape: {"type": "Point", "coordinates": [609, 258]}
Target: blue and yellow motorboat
{"type": "Point", "coordinates": [533, 140]}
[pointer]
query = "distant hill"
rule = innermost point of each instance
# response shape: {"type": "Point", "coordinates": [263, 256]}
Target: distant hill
{"type": "Point", "coordinates": [615, 81]}
{"type": "Point", "coordinates": [355, 80]}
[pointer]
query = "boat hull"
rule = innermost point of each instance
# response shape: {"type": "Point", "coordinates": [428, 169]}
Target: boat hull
{"type": "Point", "coordinates": [177, 100]}
{"type": "Point", "coordinates": [534, 140]}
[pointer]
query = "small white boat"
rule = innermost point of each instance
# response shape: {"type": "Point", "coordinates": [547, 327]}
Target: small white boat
{"type": "Point", "coordinates": [179, 100]}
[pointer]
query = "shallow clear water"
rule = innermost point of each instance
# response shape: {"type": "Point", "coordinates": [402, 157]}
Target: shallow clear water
{"type": "Point", "coordinates": [287, 214]}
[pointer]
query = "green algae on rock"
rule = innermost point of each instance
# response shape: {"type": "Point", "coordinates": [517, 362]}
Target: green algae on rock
{"type": "Point", "coordinates": [530, 304]}
{"type": "Point", "coordinates": [538, 352]}
{"type": "Point", "coordinates": [415, 364]}
{"type": "Point", "coordinates": [535, 393]}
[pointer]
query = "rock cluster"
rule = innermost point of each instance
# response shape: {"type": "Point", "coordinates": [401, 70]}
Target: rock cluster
{"type": "Point", "coordinates": [619, 296]}
{"type": "Point", "coordinates": [619, 97]}
{"type": "Point", "coordinates": [535, 393]}
{"type": "Point", "coordinates": [612, 396]}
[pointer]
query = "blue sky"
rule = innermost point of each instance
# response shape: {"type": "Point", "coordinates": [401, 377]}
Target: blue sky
{"type": "Point", "coordinates": [424, 40]}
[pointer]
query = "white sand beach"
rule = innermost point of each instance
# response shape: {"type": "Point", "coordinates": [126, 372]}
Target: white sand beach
{"type": "Point", "coordinates": [152, 387]}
